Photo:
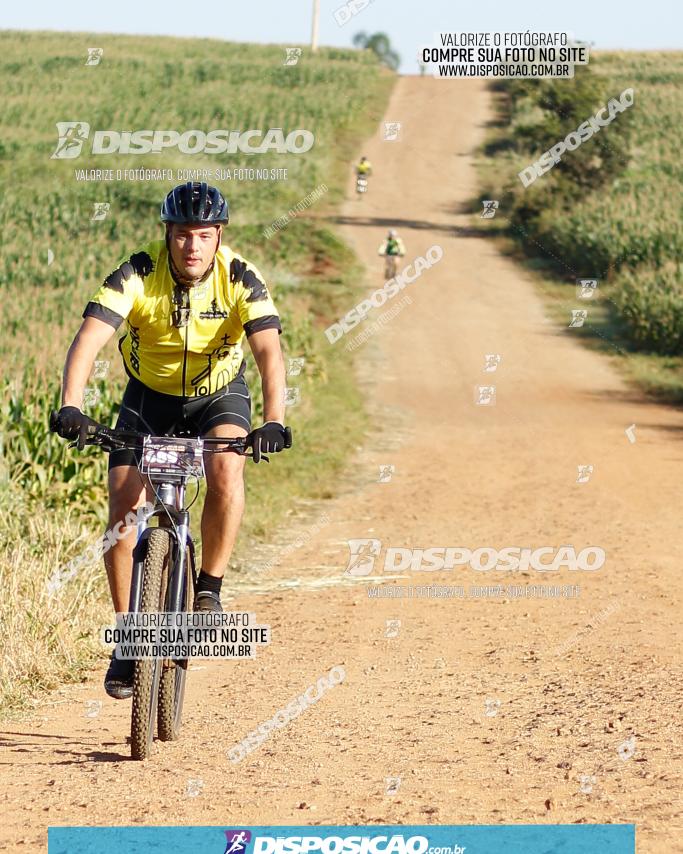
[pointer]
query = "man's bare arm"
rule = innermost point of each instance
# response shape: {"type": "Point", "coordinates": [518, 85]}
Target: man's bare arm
{"type": "Point", "coordinates": [265, 345]}
{"type": "Point", "coordinates": [89, 340]}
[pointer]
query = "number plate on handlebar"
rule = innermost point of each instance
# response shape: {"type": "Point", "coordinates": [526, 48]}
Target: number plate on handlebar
{"type": "Point", "coordinates": [169, 455]}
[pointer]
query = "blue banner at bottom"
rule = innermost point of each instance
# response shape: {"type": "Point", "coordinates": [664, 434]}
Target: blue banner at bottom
{"type": "Point", "coordinates": [328, 839]}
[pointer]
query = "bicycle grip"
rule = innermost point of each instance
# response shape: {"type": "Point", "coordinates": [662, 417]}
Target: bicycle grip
{"type": "Point", "coordinates": [288, 437]}
{"type": "Point", "coordinates": [54, 417]}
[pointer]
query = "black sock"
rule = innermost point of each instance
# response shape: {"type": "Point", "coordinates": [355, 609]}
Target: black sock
{"type": "Point", "coordinates": [208, 582]}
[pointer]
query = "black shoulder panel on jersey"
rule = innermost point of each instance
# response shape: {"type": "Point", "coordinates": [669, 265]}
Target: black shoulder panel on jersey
{"type": "Point", "coordinates": [139, 264]}
{"type": "Point", "coordinates": [237, 269]}
{"type": "Point", "coordinates": [239, 273]}
{"type": "Point", "coordinates": [255, 285]}
{"type": "Point", "coordinates": [142, 264]}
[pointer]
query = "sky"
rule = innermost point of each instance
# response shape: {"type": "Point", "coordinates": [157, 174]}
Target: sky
{"type": "Point", "coordinates": [410, 24]}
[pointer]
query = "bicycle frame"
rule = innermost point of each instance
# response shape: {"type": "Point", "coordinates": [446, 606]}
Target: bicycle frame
{"type": "Point", "coordinates": [390, 266]}
{"type": "Point", "coordinates": [177, 522]}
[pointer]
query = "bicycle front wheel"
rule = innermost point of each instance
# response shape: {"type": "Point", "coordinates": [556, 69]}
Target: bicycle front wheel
{"type": "Point", "coordinates": [173, 675]}
{"type": "Point", "coordinates": [148, 671]}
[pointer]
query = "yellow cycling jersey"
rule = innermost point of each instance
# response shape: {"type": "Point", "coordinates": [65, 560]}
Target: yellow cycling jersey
{"type": "Point", "coordinates": [364, 168]}
{"type": "Point", "coordinates": [201, 357]}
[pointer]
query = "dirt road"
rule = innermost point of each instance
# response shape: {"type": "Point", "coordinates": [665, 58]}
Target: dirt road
{"type": "Point", "coordinates": [489, 709]}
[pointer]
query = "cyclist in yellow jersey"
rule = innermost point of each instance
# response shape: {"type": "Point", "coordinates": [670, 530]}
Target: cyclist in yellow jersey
{"type": "Point", "coordinates": [187, 303]}
{"type": "Point", "coordinates": [203, 355]}
{"type": "Point", "coordinates": [364, 167]}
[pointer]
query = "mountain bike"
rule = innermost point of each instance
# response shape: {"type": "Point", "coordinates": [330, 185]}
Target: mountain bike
{"type": "Point", "coordinates": [164, 569]}
{"type": "Point", "coordinates": [390, 266]}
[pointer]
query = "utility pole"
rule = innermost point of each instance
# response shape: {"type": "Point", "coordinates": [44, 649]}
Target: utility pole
{"type": "Point", "coordinates": [314, 29]}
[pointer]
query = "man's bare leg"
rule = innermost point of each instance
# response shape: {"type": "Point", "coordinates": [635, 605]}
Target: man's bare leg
{"type": "Point", "coordinates": [223, 510]}
{"type": "Point", "coordinates": [126, 493]}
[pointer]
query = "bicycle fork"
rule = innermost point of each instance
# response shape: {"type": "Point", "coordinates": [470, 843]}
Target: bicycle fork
{"type": "Point", "coordinates": [177, 522]}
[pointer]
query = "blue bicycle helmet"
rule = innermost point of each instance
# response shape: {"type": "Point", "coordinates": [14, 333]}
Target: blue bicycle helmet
{"type": "Point", "coordinates": [195, 202]}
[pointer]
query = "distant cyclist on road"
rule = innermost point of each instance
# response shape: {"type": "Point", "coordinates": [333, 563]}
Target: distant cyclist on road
{"type": "Point", "coordinates": [392, 248]}
{"type": "Point", "coordinates": [364, 167]}
{"type": "Point", "coordinates": [188, 303]}
{"type": "Point", "coordinates": [363, 172]}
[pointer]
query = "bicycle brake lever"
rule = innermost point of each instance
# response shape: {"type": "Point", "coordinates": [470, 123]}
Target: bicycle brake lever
{"type": "Point", "coordinates": [74, 444]}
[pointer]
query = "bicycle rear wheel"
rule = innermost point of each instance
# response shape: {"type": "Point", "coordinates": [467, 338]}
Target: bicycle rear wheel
{"type": "Point", "coordinates": [148, 671]}
{"type": "Point", "coordinates": [173, 675]}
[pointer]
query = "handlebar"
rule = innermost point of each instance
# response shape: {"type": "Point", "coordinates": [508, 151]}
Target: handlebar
{"type": "Point", "coordinates": [111, 440]}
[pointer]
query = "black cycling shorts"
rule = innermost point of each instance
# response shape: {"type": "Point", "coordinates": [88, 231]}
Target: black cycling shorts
{"type": "Point", "coordinates": [165, 414]}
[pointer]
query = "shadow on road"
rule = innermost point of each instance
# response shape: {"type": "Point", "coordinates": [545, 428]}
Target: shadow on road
{"type": "Point", "coordinates": [418, 225]}
{"type": "Point", "coordinates": [29, 742]}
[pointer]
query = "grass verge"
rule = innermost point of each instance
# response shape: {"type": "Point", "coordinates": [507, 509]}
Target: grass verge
{"type": "Point", "coordinates": [53, 499]}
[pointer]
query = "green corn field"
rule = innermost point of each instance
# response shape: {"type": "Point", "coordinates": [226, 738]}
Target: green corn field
{"type": "Point", "coordinates": [55, 255]}
{"type": "Point", "coordinates": [624, 228]}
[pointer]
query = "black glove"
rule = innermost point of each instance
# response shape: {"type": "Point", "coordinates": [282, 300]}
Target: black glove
{"type": "Point", "coordinates": [268, 439]}
{"type": "Point", "coordinates": [72, 424]}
